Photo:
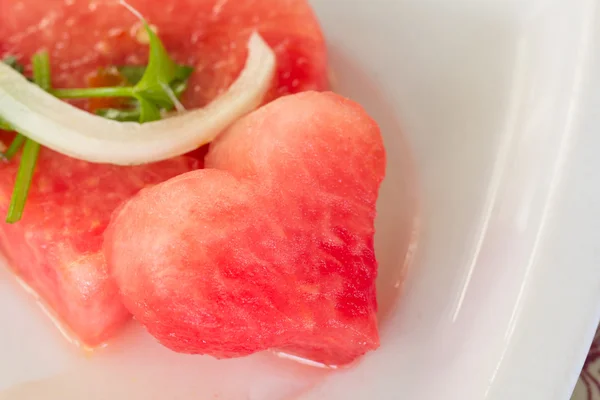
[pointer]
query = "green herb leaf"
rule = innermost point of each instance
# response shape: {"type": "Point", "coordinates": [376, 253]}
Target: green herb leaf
{"type": "Point", "coordinates": [132, 73]}
{"type": "Point", "coordinates": [148, 111]}
{"type": "Point", "coordinates": [14, 147]}
{"type": "Point", "coordinates": [31, 149]}
{"type": "Point", "coordinates": [157, 86]}
{"type": "Point", "coordinates": [183, 72]}
{"type": "Point", "coordinates": [12, 62]}
{"type": "Point", "coordinates": [5, 126]}
{"type": "Point", "coordinates": [151, 82]}
{"type": "Point", "coordinates": [180, 84]}
{"type": "Point", "coordinates": [160, 73]}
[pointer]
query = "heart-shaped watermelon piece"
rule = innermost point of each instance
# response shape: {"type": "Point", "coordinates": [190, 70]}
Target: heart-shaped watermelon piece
{"type": "Point", "coordinates": [270, 246]}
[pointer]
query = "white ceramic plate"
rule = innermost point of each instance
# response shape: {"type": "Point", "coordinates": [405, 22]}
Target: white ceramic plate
{"type": "Point", "coordinates": [499, 102]}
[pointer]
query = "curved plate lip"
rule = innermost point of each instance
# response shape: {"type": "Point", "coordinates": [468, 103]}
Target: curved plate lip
{"type": "Point", "coordinates": [535, 359]}
{"type": "Point", "coordinates": [568, 265]}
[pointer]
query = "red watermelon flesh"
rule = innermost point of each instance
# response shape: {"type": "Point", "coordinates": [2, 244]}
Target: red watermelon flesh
{"type": "Point", "coordinates": [56, 248]}
{"type": "Point", "coordinates": [48, 247]}
{"type": "Point", "coordinates": [210, 35]}
{"type": "Point", "coordinates": [270, 247]}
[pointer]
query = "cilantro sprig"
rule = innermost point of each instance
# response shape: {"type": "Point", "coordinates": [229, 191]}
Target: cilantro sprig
{"type": "Point", "coordinates": [154, 88]}
{"type": "Point", "coordinates": [133, 75]}
{"type": "Point", "coordinates": [15, 146]}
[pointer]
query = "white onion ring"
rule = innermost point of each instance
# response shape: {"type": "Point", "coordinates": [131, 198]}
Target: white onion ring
{"type": "Point", "coordinates": [66, 129]}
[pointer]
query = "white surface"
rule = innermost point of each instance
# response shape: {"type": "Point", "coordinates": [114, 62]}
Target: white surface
{"type": "Point", "coordinates": [499, 101]}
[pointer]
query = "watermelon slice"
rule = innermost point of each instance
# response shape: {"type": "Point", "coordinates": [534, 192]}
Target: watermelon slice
{"type": "Point", "coordinates": [270, 247]}
{"type": "Point", "coordinates": [55, 248]}
{"type": "Point", "coordinates": [211, 35]}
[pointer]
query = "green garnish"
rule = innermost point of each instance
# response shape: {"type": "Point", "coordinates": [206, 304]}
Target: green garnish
{"type": "Point", "coordinates": [41, 70]}
{"type": "Point", "coordinates": [87, 93]}
{"type": "Point", "coordinates": [153, 88]}
{"type": "Point", "coordinates": [153, 85]}
{"type": "Point", "coordinates": [160, 73]}
{"type": "Point", "coordinates": [23, 181]}
{"type": "Point", "coordinates": [5, 126]}
{"type": "Point", "coordinates": [31, 149]}
{"type": "Point", "coordinates": [134, 73]}
{"type": "Point", "coordinates": [14, 147]}
{"type": "Point", "coordinates": [148, 111]}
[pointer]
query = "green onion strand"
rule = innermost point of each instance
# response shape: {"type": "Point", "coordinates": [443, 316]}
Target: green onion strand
{"type": "Point", "coordinates": [14, 147]}
{"type": "Point", "coordinates": [23, 181]}
{"type": "Point", "coordinates": [5, 126]}
{"type": "Point", "coordinates": [87, 93]}
{"type": "Point", "coordinates": [31, 149]}
{"type": "Point", "coordinates": [41, 69]}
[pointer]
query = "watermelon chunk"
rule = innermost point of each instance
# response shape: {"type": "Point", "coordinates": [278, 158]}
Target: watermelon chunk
{"type": "Point", "coordinates": [210, 35]}
{"type": "Point", "coordinates": [55, 248]}
{"type": "Point", "coordinates": [270, 246]}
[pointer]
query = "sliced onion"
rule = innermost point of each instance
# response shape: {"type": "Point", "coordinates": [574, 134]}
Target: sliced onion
{"type": "Point", "coordinates": [79, 134]}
